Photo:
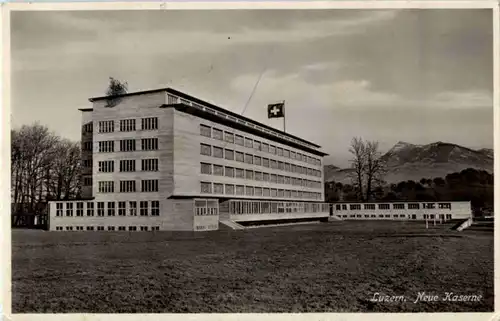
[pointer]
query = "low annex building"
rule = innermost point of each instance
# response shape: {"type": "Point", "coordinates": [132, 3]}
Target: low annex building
{"type": "Point", "coordinates": [164, 160]}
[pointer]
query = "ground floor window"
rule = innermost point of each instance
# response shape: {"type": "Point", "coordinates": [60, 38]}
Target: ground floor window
{"type": "Point", "coordinates": [90, 228]}
{"type": "Point", "coordinates": [144, 208]}
{"type": "Point", "coordinates": [132, 228]}
{"type": "Point", "coordinates": [121, 228]}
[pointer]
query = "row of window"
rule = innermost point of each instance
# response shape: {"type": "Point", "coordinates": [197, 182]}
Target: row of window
{"type": "Point", "coordinates": [175, 100]}
{"type": "Point", "coordinates": [259, 207]}
{"type": "Point", "coordinates": [413, 217]}
{"type": "Point", "coordinates": [219, 170]}
{"type": "Point", "coordinates": [230, 154]}
{"type": "Point", "coordinates": [229, 137]}
{"type": "Point", "coordinates": [147, 185]}
{"type": "Point", "coordinates": [230, 189]}
{"type": "Point", "coordinates": [126, 145]}
{"type": "Point", "coordinates": [109, 228]}
{"type": "Point", "coordinates": [123, 208]}
{"type": "Point", "coordinates": [127, 165]}
{"type": "Point", "coordinates": [126, 125]}
{"type": "Point", "coordinates": [397, 206]}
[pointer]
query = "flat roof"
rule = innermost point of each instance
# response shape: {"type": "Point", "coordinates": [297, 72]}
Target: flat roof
{"type": "Point", "coordinates": [207, 104]}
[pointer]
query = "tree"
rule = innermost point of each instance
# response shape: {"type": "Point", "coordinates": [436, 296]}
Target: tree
{"type": "Point", "coordinates": [358, 163]}
{"type": "Point", "coordinates": [368, 165]}
{"type": "Point", "coordinates": [115, 89]}
{"type": "Point", "coordinates": [43, 166]}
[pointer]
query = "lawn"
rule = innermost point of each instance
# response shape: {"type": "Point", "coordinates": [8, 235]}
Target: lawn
{"type": "Point", "coordinates": [327, 267]}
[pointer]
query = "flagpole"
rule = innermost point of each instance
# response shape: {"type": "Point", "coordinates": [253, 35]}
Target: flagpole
{"type": "Point", "coordinates": [284, 117]}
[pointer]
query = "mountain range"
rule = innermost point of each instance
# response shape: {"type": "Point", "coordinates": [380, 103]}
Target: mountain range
{"type": "Point", "coordinates": [407, 161]}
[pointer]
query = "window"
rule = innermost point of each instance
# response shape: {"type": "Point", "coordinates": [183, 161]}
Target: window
{"type": "Point", "coordinates": [69, 228]}
{"type": "Point", "coordinates": [369, 206]}
{"type": "Point", "coordinates": [274, 178]}
{"type": "Point", "coordinates": [293, 155]}
{"type": "Point", "coordinates": [257, 160]}
{"type": "Point", "coordinates": [155, 208]}
{"type": "Point", "coordinates": [106, 166]}
{"type": "Point", "coordinates": [249, 158]}
{"type": "Point", "coordinates": [248, 142]}
{"type": "Point", "coordinates": [249, 190]}
{"type": "Point", "coordinates": [274, 192]}
{"type": "Point", "coordinates": [239, 140]}
{"type": "Point", "coordinates": [258, 176]}
{"type": "Point", "coordinates": [155, 228]}
{"type": "Point", "coordinates": [149, 143]}
{"type": "Point", "coordinates": [127, 125]}
{"type": "Point", "coordinates": [219, 170]}
{"type": "Point", "coordinates": [239, 173]}
{"type": "Point", "coordinates": [217, 134]}
{"type": "Point", "coordinates": [87, 163]}
{"type": "Point", "coordinates": [428, 205]}
{"type": "Point", "coordinates": [273, 163]}
{"type": "Point", "coordinates": [132, 208]}
{"type": "Point", "coordinates": [149, 185]}
{"type": "Point", "coordinates": [384, 206]}
{"type": "Point", "coordinates": [205, 131]}
{"type": "Point", "coordinates": [239, 157]}
{"type": "Point", "coordinates": [398, 206]}
{"type": "Point", "coordinates": [413, 206]}
{"type": "Point", "coordinates": [172, 99]}
{"type": "Point", "coordinates": [281, 166]}
{"type": "Point", "coordinates": [87, 146]}
{"type": "Point", "coordinates": [355, 206]}
{"type": "Point", "coordinates": [229, 154]}
{"type": "Point", "coordinates": [265, 162]}
{"type": "Point", "coordinates": [100, 228]}
{"type": "Point", "coordinates": [100, 208]}
{"type": "Point", "coordinates": [107, 146]}
{"type": "Point", "coordinates": [205, 149]}
{"type": "Point", "coordinates": [272, 149]}
{"type": "Point", "coordinates": [87, 181]}
{"type": "Point", "coordinates": [79, 209]}
{"type": "Point", "coordinates": [111, 208]}
{"type": "Point", "coordinates": [265, 177]}
{"type": "Point", "coordinates": [127, 165]}
{"type": "Point", "coordinates": [248, 174]}
{"type": "Point", "coordinates": [88, 128]}
{"type": "Point", "coordinates": [279, 151]}
{"type": "Point", "coordinates": [286, 153]}
{"type": "Point", "coordinates": [206, 168]}
{"type": "Point", "coordinates": [266, 192]}
{"type": "Point", "coordinates": [150, 123]}
{"type": "Point", "coordinates": [229, 137]}
{"type": "Point", "coordinates": [240, 190]}
{"type": "Point", "coordinates": [281, 193]}
{"type": "Point", "coordinates": [106, 187]}
{"type": "Point", "coordinates": [144, 228]}
{"type": "Point", "coordinates": [444, 205]}
{"type": "Point", "coordinates": [59, 209]}
{"type": "Point", "coordinates": [143, 208]}
{"type": "Point", "coordinates": [107, 126]}
{"type": "Point", "coordinates": [121, 228]}
{"type": "Point", "coordinates": [265, 147]}
{"type": "Point", "coordinates": [256, 145]}
{"type": "Point", "coordinates": [69, 209]}
{"type": "Point", "coordinates": [127, 145]}
{"type": "Point", "coordinates": [218, 152]}
{"type": "Point", "coordinates": [127, 186]}
{"type": "Point", "coordinates": [229, 171]}
{"type": "Point", "coordinates": [90, 228]}
{"type": "Point", "coordinates": [111, 228]}
{"type": "Point", "coordinates": [122, 208]}
{"type": "Point", "coordinates": [280, 179]}
{"type": "Point", "coordinates": [90, 208]}
{"type": "Point", "coordinates": [229, 189]}
{"type": "Point", "coordinates": [132, 228]}
{"type": "Point", "coordinates": [218, 188]}
{"type": "Point", "coordinates": [206, 187]}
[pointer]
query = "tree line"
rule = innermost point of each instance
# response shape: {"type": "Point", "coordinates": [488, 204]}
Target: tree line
{"type": "Point", "coordinates": [368, 184]}
{"type": "Point", "coordinates": [44, 167]}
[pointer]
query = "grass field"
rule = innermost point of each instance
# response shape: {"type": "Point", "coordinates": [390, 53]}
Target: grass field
{"type": "Point", "coordinates": [328, 267]}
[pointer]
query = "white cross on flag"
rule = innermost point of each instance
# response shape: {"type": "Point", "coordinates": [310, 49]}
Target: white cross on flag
{"type": "Point", "coordinates": [276, 110]}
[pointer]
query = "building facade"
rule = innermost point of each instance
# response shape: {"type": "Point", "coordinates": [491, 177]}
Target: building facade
{"type": "Point", "coordinates": [441, 211]}
{"type": "Point", "coordinates": [164, 160]}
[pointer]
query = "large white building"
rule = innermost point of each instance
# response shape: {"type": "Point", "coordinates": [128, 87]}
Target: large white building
{"type": "Point", "coordinates": [164, 160]}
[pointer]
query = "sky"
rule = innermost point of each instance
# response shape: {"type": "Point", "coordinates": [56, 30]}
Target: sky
{"type": "Point", "coordinates": [418, 76]}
